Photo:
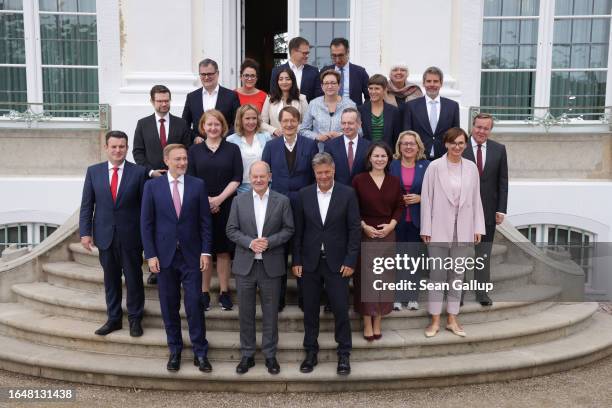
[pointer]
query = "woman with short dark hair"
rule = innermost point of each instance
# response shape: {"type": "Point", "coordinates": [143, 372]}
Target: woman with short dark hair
{"type": "Point", "coordinates": [248, 93]}
{"type": "Point", "coordinates": [380, 121]}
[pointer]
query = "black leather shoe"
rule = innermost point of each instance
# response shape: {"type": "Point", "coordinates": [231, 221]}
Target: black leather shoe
{"type": "Point", "coordinates": [174, 362]}
{"type": "Point", "coordinates": [203, 364]}
{"type": "Point", "coordinates": [272, 365]}
{"type": "Point", "coordinates": [344, 365]}
{"type": "Point", "coordinates": [109, 327]}
{"type": "Point", "coordinates": [152, 279]}
{"type": "Point", "coordinates": [309, 362]}
{"type": "Point", "coordinates": [244, 365]}
{"type": "Point", "coordinates": [281, 306]}
{"type": "Point", "coordinates": [135, 328]}
{"type": "Point", "coordinates": [485, 300]}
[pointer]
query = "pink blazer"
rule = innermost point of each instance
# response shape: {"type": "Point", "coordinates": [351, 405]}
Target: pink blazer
{"type": "Point", "coordinates": [438, 211]}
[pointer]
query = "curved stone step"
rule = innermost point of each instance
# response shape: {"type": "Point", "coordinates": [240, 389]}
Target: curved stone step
{"type": "Point", "coordinates": [588, 345]}
{"type": "Point", "coordinates": [91, 307]}
{"type": "Point", "coordinates": [19, 321]}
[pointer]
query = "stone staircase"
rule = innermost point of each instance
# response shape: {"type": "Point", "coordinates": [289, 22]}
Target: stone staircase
{"type": "Point", "coordinates": [47, 326]}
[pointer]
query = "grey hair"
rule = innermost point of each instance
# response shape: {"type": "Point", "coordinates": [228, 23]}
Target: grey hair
{"type": "Point", "coordinates": [434, 71]}
{"type": "Point", "coordinates": [257, 162]}
{"type": "Point", "coordinates": [207, 61]}
{"type": "Point", "coordinates": [352, 110]}
{"type": "Point", "coordinates": [322, 158]}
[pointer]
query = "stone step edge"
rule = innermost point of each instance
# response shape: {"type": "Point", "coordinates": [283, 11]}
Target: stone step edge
{"type": "Point", "coordinates": [593, 343]}
{"type": "Point", "coordinates": [560, 316]}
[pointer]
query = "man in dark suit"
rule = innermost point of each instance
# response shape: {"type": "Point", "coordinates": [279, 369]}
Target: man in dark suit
{"type": "Point", "coordinates": [176, 235]}
{"type": "Point", "coordinates": [349, 150]}
{"type": "Point", "coordinates": [110, 206]}
{"type": "Point", "coordinates": [353, 78]}
{"type": "Point", "coordinates": [431, 115]}
{"type": "Point", "coordinates": [210, 96]}
{"type": "Point", "coordinates": [326, 246]}
{"type": "Point", "coordinates": [491, 160]}
{"type": "Point", "coordinates": [260, 223]}
{"type": "Point", "coordinates": [307, 76]}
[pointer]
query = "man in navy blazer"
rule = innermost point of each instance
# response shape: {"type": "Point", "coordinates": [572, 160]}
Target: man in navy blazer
{"type": "Point", "coordinates": [353, 78]}
{"type": "Point", "coordinates": [110, 218]}
{"type": "Point", "coordinates": [210, 96]}
{"type": "Point", "coordinates": [325, 247]}
{"type": "Point", "coordinates": [431, 115]}
{"type": "Point", "coordinates": [307, 76]}
{"type": "Point", "coordinates": [349, 143]}
{"type": "Point", "coordinates": [176, 234]}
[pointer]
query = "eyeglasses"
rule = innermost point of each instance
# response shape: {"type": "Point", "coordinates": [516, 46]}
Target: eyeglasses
{"type": "Point", "coordinates": [208, 74]}
{"type": "Point", "coordinates": [161, 100]}
{"type": "Point", "coordinates": [330, 84]}
{"type": "Point", "coordinates": [457, 144]}
{"type": "Point", "coordinates": [249, 76]}
{"type": "Point", "coordinates": [335, 56]}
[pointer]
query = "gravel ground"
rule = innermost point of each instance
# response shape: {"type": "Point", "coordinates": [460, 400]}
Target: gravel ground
{"type": "Point", "coordinates": [588, 386]}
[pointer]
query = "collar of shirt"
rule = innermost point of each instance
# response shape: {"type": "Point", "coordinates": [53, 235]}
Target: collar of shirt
{"type": "Point", "coordinates": [292, 145]}
{"type": "Point", "coordinates": [181, 179]}
{"type": "Point", "coordinates": [213, 93]}
{"type": "Point", "coordinates": [475, 144]}
{"type": "Point", "coordinates": [295, 67]}
{"type": "Point", "coordinates": [428, 99]}
{"type": "Point", "coordinates": [265, 195]}
{"type": "Point", "coordinates": [347, 140]}
{"type": "Point", "coordinates": [328, 192]}
{"type": "Point", "coordinates": [110, 166]}
{"type": "Point", "coordinates": [166, 117]}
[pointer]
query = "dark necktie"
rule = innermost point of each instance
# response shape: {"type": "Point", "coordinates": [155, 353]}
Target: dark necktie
{"type": "Point", "coordinates": [479, 159]}
{"type": "Point", "coordinates": [351, 156]}
{"type": "Point", "coordinates": [341, 90]}
{"type": "Point", "coordinates": [162, 133]}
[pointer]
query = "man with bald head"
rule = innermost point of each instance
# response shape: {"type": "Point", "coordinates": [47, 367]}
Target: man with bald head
{"type": "Point", "coordinates": [260, 223]}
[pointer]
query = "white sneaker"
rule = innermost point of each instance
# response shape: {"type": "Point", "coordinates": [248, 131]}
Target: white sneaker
{"type": "Point", "coordinates": [414, 305]}
{"type": "Point", "coordinates": [397, 306]}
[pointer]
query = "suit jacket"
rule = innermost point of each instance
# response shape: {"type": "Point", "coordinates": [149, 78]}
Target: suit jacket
{"type": "Point", "coordinates": [358, 82]}
{"type": "Point", "coordinates": [227, 103]}
{"type": "Point", "coordinates": [340, 234]}
{"type": "Point", "coordinates": [335, 147]}
{"type": "Point", "coordinates": [310, 85]}
{"type": "Point", "coordinates": [147, 148]}
{"type": "Point", "coordinates": [162, 230]}
{"type": "Point", "coordinates": [278, 228]}
{"type": "Point", "coordinates": [119, 220]}
{"type": "Point", "coordinates": [494, 179]}
{"type": "Point", "coordinates": [392, 122]}
{"type": "Point", "coordinates": [438, 211]}
{"type": "Point", "coordinates": [290, 182]}
{"type": "Point", "coordinates": [415, 118]}
{"type": "Point", "coordinates": [419, 172]}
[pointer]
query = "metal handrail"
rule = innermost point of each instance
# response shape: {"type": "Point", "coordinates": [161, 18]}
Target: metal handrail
{"type": "Point", "coordinates": [59, 115]}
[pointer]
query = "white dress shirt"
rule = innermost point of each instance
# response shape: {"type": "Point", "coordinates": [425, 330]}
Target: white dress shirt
{"type": "Point", "coordinates": [292, 145]}
{"type": "Point", "coordinates": [260, 205]}
{"type": "Point", "coordinates": [323, 199]}
{"type": "Point", "coordinates": [298, 72]}
{"type": "Point", "coordinates": [428, 102]}
{"type": "Point", "coordinates": [119, 173]}
{"type": "Point", "coordinates": [345, 89]}
{"type": "Point", "coordinates": [483, 149]}
{"type": "Point", "coordinates": [209, 100]}
{"type": "Point", "coordinates": [346, 145]}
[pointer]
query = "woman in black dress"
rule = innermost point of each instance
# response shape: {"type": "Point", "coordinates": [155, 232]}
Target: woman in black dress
{"type": "Point", "coordinates": [219, 164]}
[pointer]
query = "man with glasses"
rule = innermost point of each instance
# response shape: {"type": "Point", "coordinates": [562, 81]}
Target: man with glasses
{"type": "Point", "coordinates": [210, 96]}
{"type": "Point", "coordinates": [306, 75]}
{"type": "Point", "coordinates": [353, 78]}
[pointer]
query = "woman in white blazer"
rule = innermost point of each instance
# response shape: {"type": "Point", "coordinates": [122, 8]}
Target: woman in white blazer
{"type": "Point", "coordinates": [452, 220]}
{"type": "Point", "coordinates": [286, 94]}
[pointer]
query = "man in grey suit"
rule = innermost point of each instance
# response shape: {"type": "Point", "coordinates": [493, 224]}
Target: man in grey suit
{"type": "Point", "coordinates": [490, 158]}
{"type": "Point", "coordinates": [260, 223]}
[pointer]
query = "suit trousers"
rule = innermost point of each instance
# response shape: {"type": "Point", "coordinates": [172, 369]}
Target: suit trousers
{"type": "Point", "coordinates": [169, 284]}
{"type": "Point", "coordinates": [283, 288]}
{"type": "Point", "coordinates": [408, 239]}
{"type": "Point", "coordinates": [484, 250]}
{"type": "Point", "coordinates": [269, 292]}
{"type": "Point", "coordinates": [117, 260]}
{"type": "Point", "coordinates": [337, 289]}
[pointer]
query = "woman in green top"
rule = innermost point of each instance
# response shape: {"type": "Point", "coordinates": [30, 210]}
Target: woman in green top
{"type": "Point", "coordinates": [380, 120]}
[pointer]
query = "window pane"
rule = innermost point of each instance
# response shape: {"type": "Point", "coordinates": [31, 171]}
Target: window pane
{"type": "Point", "coordinates": [47, 5]}
{"type": "Point", "coordinates": [70, 85]}
{"type": "Point", "coordinates": [12, 44]}
{"type": "Point", "coordinates": [599, 56]}
{"type": "Point", "coordinates": [530, 8]}
{"type": "Point", "coordinates": [529, 32]}
{"type": "Point", "coordinates": [341, 8]}
{"type": "Point", "coordinates": [68, 40]}
{"type": "Point", "coordinates": [561, 56]}
{"type": "Point", "coordinates": [325, 9]}
{"type": "Point", "coordinates": [579, 89]}
{"type": "Point", "coordinates": [508, 56]}
{"type": "Point", "coordinates": [509, 31]}
{"type": "Point", "coordinates": [87, 6]}
{"type": "Point", "coordinates": [527, 56]}
{"type": "Point", "coordinates": [341, 29]}
{"type": "Point", "coordinates": [13, 87]}
{"type": "Point", "coordinates": [563, 7]}
{"type": "Point", "coordinates": [601, 30]}
{"type": "Point", "coordinates": [307, 8]}
{"type": "Point", "coordinates": [581, 30]}
{"type": "Point", "coordinates": [84, 6]}
{"type": "Point", "coordinates": [562, 32]}
{"type": "Point", "coordinates": [583, 7]}
{"type": "Point", "coordinates": [579, 56]}
{"type": "Point", "coordinates": [11, 4]}
{"type": "Point", "coordinates": [508, 89]}
{"type": "Point", "coordinates": [13, 235]}
{"type": "Point", "coordinates": [511, 8]}
{"type": "Point", "coordinates": [602, 6]}
{"type": "Point", "coordinates": [490, 56]}
{"type": "Point", "coordinates": [492, 8]}
{"type": "Point", "coordinates": [491, 30]}
{"type": "Point", "coordinates": [325, 33]}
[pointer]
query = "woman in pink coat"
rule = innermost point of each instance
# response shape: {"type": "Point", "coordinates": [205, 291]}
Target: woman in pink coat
{"type": "Point", "coordinates": [452, 220]}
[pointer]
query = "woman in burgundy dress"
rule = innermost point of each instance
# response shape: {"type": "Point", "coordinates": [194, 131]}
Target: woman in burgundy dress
{"type": "Point", "coordinates": [380, 205]}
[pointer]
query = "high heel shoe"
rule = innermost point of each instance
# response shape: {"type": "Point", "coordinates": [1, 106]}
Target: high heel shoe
{"type": "Point", "coordinates": [368, 338]}
{"type": "Point", "coordinates": [377, 336]}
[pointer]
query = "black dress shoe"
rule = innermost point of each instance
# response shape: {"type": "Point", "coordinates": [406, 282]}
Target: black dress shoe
{"type": "Point", "coordinates": [244, 365]}
{"type": "Point", "coordinates": [109, 327]}
{"type": "Point", "coordinates": [309, 362]}
{"type": "Point", "coordinates": [152, 279]}
{"type": "Point", "coordinates": [203, 364]}
{"type": "Point", "coordinates": [344, 365]}
{"type": "Point", "coordinates": [327, 308]}
{"type": "Point", "coordinates": [135, 328]}
{"type": "Point", "coordinates": [174, 362]}
{"type": "Point", "coordinates": [485, 300]}
{"type": "Point", "coordinates": [272, 365]}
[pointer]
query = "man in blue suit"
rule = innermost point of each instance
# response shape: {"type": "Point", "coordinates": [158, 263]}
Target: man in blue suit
{"type": "Point", "coordinates": [110, 207]}
{"type": "Point", "coordinates": [353, 78]}
{"type": "Point", "coordinates": [210, 96]}
{"type": "Point", "coordinates": [176, 234]}
{"type": "Point", "coordinates": [349, 150]}
{"type": "Point", "coordinates": [431, 115]}
{"type": "Point", "coordinates": [325, 247]}
{"type": "Point", "coordinates": [307, 76]}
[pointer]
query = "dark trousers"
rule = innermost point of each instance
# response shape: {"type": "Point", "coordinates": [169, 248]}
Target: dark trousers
{"type": "Point", "coordinates": [484, 250]}
{"type": "Point", "coordinates": [407, 232]}
{"type": "Point", "coordinates": [269, 290]}
{"type": "Point", "coordinates": [337, 289]}
{"type": "Point", "coordinates": [283, 282]}
{"type": "Point", "coordinates": [169, 284]}
{"type": "Point", "coordinates": [117, 260]}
